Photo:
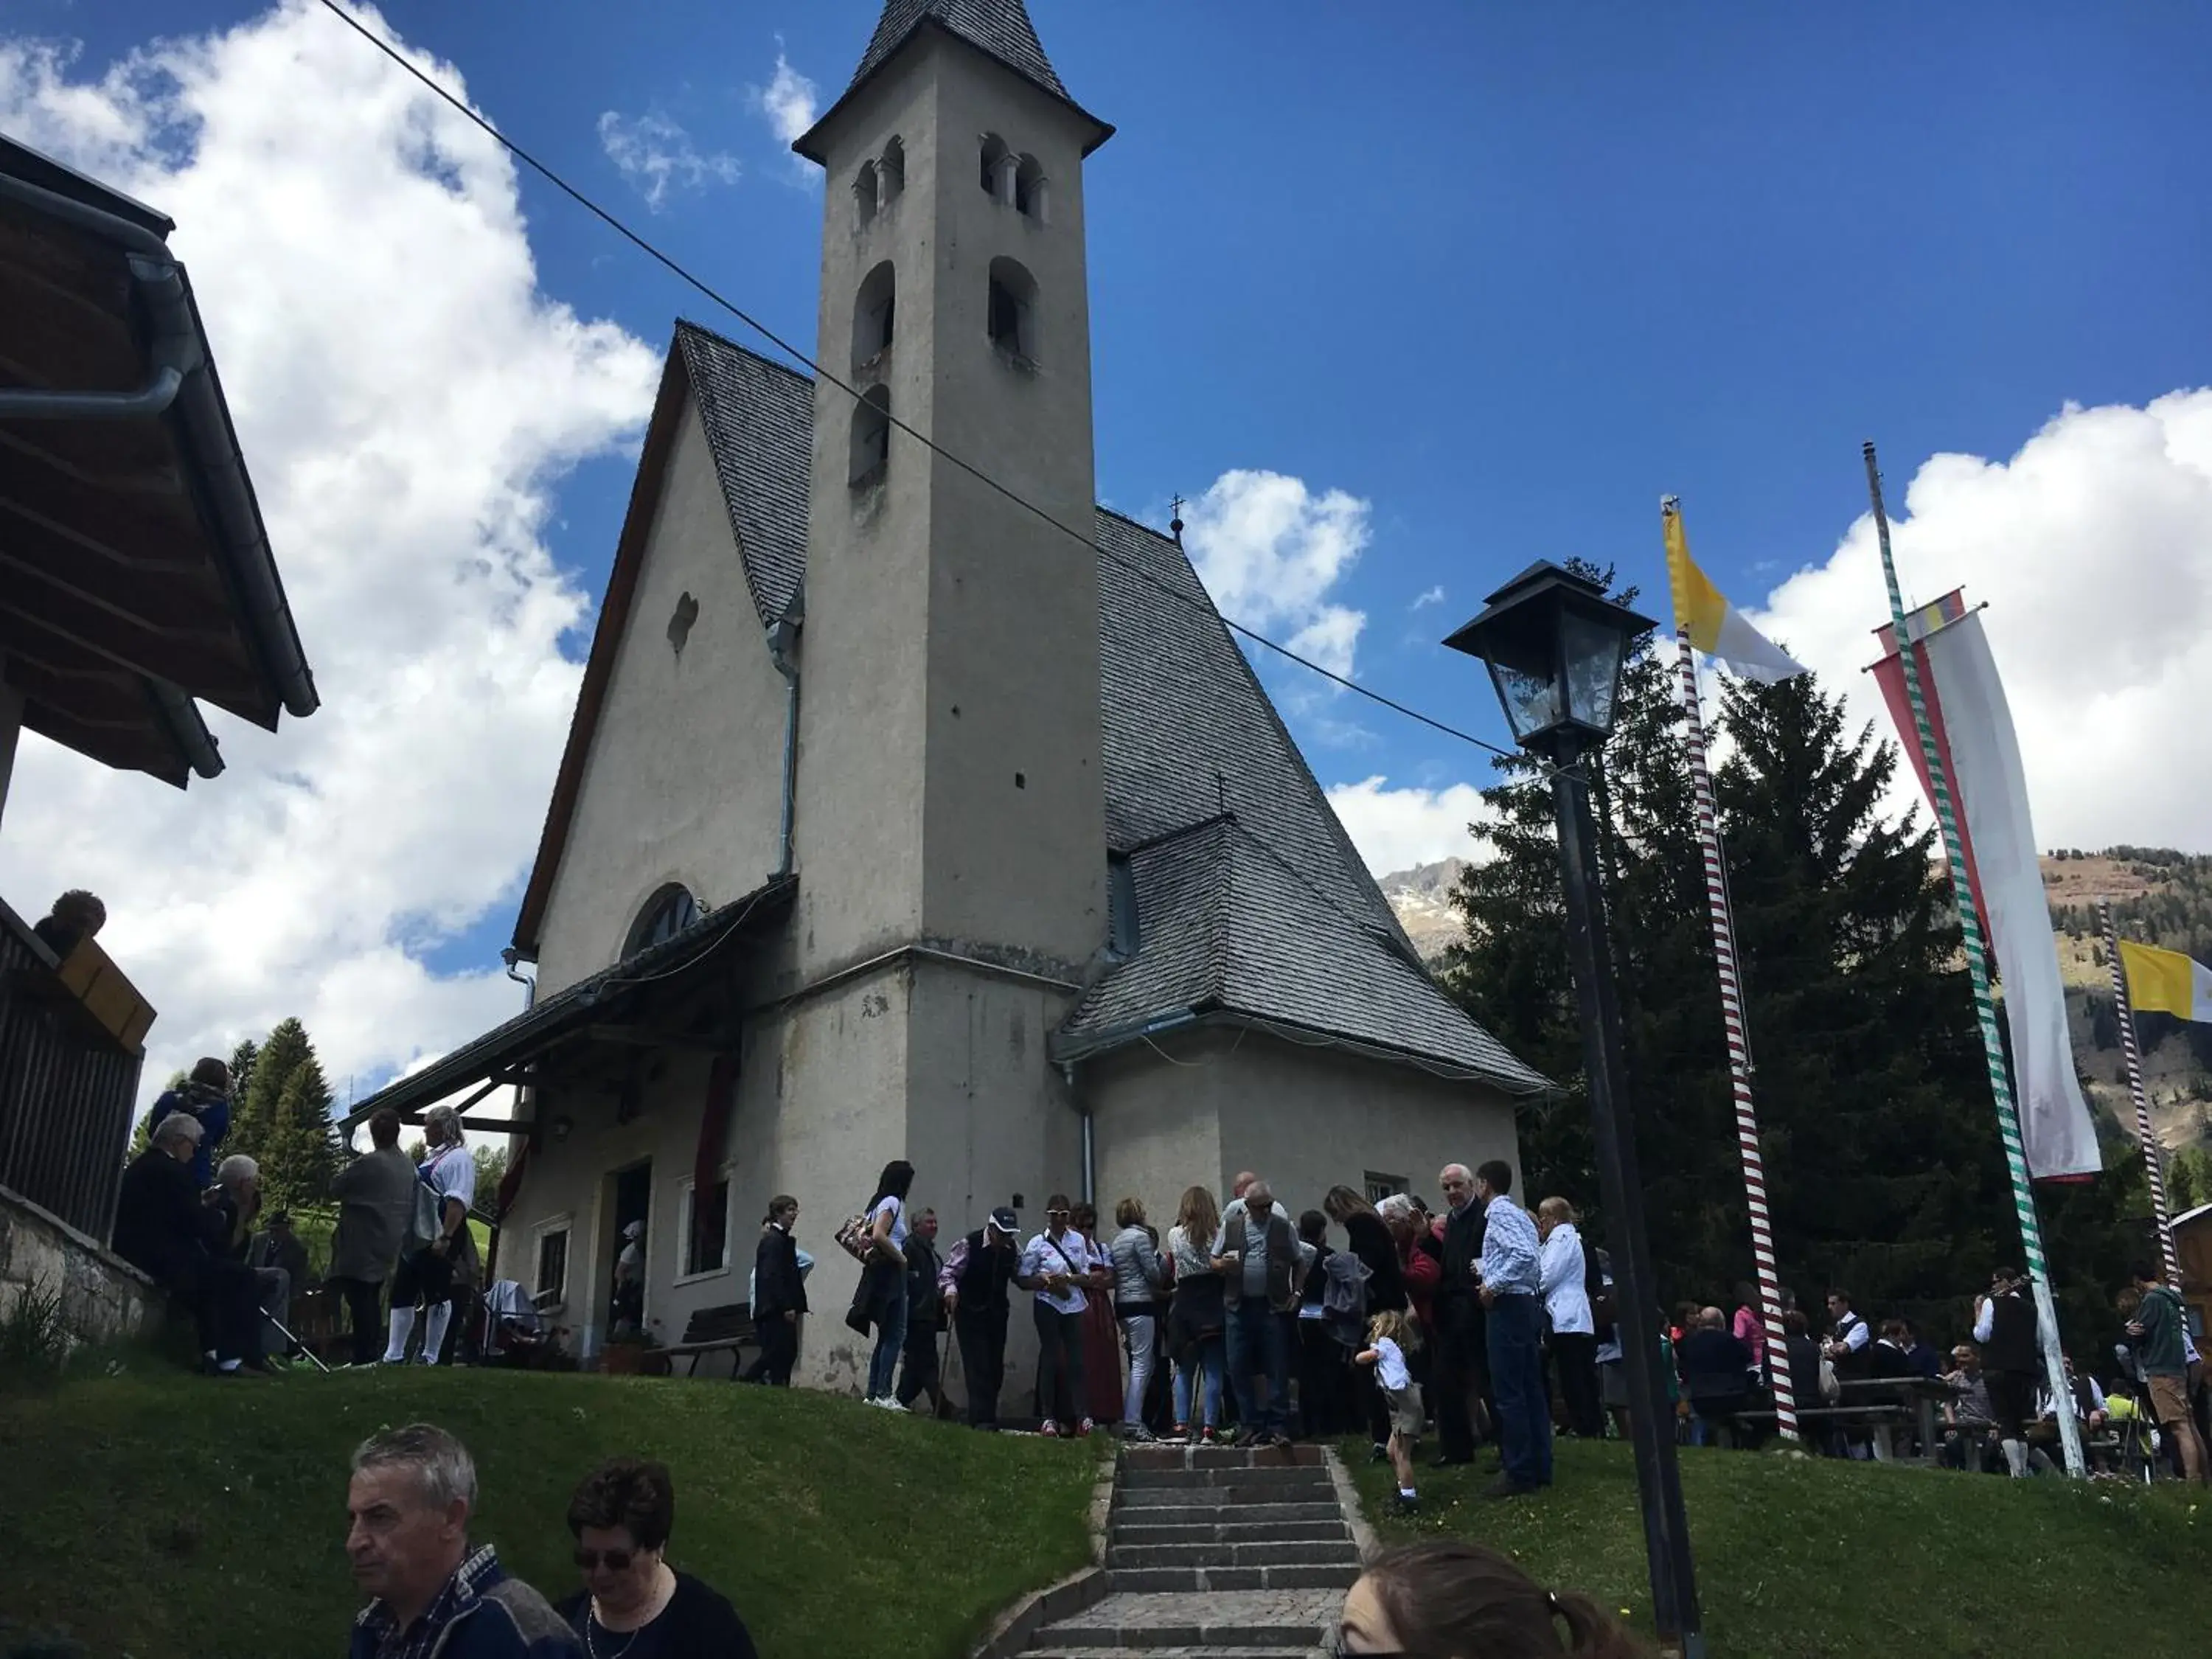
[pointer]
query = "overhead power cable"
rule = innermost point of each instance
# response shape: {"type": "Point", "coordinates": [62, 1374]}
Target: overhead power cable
{"type": "Point", "coordinates": [769, 335]}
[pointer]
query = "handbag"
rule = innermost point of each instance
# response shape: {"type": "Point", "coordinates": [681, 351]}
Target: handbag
{"type": "Point", "coordinates": [853, 1237]}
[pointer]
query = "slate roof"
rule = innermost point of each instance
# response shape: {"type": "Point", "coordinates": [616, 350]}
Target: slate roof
{"type": "Point", "coordinates": [1227, 925]}
{"type": "Point", "coordinates": [759, 419]}
{"type": "Point", "coordinates": [1251, 899]}
{"type": "Point", "coordinates": [999, 28]}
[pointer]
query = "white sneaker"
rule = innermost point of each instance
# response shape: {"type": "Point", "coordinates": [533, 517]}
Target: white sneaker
{"type": "Point", "coordinates": [889, 1403]}
{"type": "Point", "coordinates": [1049, 1429]}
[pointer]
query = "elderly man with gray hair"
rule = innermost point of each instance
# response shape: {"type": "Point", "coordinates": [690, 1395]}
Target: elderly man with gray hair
{"type": "Point", "coordinates": [407, 1536]}
{"type": "Point", "coordinates": [427, 1269]}
{"type": "Point", "coordinates": [165, 1229]}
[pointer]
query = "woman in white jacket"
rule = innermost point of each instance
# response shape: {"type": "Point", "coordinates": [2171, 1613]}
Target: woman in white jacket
{"type": "Point", "coordinates": [1563, 1272]}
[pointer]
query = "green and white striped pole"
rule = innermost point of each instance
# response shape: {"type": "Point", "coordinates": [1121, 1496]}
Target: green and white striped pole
{"type": "Point", "coordinates": [1977, 965]}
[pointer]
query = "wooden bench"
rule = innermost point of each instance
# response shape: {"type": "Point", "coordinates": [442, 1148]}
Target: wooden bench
{"type": "Point", "coordinates": [727, 1329]}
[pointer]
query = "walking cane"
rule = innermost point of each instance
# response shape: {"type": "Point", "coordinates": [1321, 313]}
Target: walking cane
{"type": "Point", "coordinates": [294, 1341]}
{"type": "Point", "coordinates": [945, 1413]}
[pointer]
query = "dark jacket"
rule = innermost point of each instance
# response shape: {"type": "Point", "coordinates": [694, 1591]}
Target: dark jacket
{"type": "Point", "coordinates": [924, 1309]}
{"type": "Point", "coordinates": [698, 1623]}
{"type": "Point", "coordinates": [777, 1287]}
{"type": "Point", "coordinates": [1804, 1358]}
{"type": "Point", "coordinates": [2011, 1343]}
{"type": "Point", "coordinates": [1716, 1368]}
{"type": "Point", "coordinates": [162, 1227]}
{"type": "Point", "coordinates": [287, 1252]}
{"type": "Point", "coordinates": [213, 1111]}
{"type": "Point", "coordinates": [1893, 1364]}
{"type": "Point", "coordinates": [984, 1277]}
{"type": "Point", "coordinates": [498, 1618]}
{"type": "Point", "coordinates": [1458, 1308]}
{"type": "Point", "coordinates": [1369, 1240]}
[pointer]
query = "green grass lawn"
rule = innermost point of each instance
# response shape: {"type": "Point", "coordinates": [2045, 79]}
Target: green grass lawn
{"type": "Point", "coordinates": [1812, 1559]}
{"type": "Point", "coordinates": [156, 1514]}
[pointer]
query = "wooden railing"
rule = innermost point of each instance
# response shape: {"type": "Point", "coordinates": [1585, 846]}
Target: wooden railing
{"type": "Point", "coordinates": [68, 1078]}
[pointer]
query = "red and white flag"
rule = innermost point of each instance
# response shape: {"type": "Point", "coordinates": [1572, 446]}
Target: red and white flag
{"type": "Point", "coordinates": [1980, 754]}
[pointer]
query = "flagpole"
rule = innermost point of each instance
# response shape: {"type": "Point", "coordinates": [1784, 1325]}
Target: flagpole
{"type": "Point", "coordinates": [1977, 967]}
{"type": "Point", "coordinates": [1739, 1047]}
{"type": "Point", "coordinates": [2125, 1009]}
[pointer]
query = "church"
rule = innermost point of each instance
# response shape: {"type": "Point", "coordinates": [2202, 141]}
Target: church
{"type": "Point", "coordinates": [916, 805]}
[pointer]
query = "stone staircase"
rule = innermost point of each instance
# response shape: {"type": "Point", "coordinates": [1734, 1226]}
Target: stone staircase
{"type": "Point", "coordinates": [1216, 1552]}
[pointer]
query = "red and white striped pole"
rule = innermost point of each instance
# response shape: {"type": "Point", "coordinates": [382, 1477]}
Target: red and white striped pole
{"type": "Point", "coordinates": [1739, 1050]}
{"type": "Point", "coordinates": [2125, 1010]}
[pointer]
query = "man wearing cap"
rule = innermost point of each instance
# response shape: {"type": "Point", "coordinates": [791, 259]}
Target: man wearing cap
{"type": "Point", "coordinates": [974, 1284]}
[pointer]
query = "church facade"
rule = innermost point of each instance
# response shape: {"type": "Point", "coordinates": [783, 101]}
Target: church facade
{"type": "Point", "coordinates": [913, 810]}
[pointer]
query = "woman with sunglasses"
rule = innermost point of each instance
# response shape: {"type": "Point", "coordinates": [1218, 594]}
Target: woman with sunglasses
{"type": "Point", "coordinates": [1452, 1600]}
{"type": "Point", "coordinates": [634, 1605]}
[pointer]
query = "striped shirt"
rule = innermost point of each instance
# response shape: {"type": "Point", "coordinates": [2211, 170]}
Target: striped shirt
{"type": "Point", "coordinates": [1510, 1250]}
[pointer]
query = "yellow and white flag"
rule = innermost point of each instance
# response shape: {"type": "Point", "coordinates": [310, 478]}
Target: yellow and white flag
{"type": "Point", "coordinates": [1717, 628]}
{"type": "Point", "coordinates": [2166, 982]}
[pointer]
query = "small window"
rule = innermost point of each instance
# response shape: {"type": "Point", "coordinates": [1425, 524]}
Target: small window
{"type": "Point", "coordinates": [871, 437]}
{"type": "Point", "coordinates": [874, 314]}
{"type": "Point", "coordinates": [864, 192]}
{"type": "Point", "coordinates": [1028, 188]}
{"type": "Point", "coordinates": [1012, 321]}
{"type": "Point", "coordinates": [890, 174]}
{"type": "Point", "coordinates": [666, 914]}
{"type": "Point", "coordinates": [998, 168]}
{"type": "Point", "coordinates": [1380, 1186]}
{"type": "Point", "coordinates": [552, 1281]}
{"type": "Point", "coordinates": [706, 1229]}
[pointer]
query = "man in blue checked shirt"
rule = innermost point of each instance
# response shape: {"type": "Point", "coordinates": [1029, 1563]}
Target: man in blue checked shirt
{"type": "Point", "coordinates": [1512, 1293]}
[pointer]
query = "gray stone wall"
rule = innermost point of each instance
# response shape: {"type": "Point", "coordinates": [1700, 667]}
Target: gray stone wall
{"type": "Point", "coordinates": [104, 1298]}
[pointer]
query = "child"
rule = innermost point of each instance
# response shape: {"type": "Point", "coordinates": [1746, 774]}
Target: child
{"type": "Point", "coordinates": [1388, 1336]}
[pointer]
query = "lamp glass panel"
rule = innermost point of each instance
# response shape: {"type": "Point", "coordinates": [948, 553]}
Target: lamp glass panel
{"type": "Point", "coordinates": [1532, 700]}
{"type": "Point", "coordinates": [1592, 650]}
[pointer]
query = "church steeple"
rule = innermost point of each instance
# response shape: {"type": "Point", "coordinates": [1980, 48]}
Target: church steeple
{"type": "Point", "coordinates": [950, 786]}
{"type": "Point", "coordinates": [1000, 29]}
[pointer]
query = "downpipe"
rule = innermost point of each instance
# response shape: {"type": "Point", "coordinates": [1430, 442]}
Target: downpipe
{"type": "Point", "coordinates": [1090, 1138]}
{"type": "Point", "coordinates": [781, 636]}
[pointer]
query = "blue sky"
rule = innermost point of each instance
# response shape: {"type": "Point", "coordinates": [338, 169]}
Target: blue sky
{"type": "Point", "coordinates": [1505, 273]}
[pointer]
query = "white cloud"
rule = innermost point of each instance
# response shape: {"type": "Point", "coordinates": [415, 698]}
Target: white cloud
{"type": "Point", "coordinates": [788, 101]}
{"type": "Point", "coordinates": [2092, 547]}
{"type": "Point", "coordinates": [407, 397]}
{"type": "Point", "coordinates": [657, 157]}
{"type": "Point", "coordinates": [1396, 829]}
{"type": "Point", "coordinates": [1434, 596]}
{"type": "Point", "coordinates": [1269, 550]}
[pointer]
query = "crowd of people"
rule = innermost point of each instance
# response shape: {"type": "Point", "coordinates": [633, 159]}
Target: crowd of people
{"type": "Point", "coordinates": [434, 1589]}
{"type": "Point", "coordinates": [1484, 1321]}
{"type": "Point", "coordinates": [1995, 1407]}
{"type": "Point", "coordinates": [194, 1224]}
{"type": "Point", "coordinates": [1242, 1324]}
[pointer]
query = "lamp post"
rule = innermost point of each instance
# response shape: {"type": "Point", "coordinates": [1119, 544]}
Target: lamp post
{"type": "Point", "coordinates": [1555, 646]}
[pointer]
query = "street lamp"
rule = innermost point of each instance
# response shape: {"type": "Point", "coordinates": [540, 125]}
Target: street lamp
{"type": "Point", "coordinates": [1555, 646]}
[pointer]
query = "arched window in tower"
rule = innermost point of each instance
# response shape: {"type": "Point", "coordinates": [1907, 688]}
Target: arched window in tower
{"type": "Point", "coordinates": [890, 172]}
{"type": "Point", "coordinates": [1011, 318]}
{"type": "Point", "coordinates": [874, 313]}
{"type": "Point", "coordinates": [864, 193]}
{"type": "Point", "coordinates": [871, 437]}
{"type": "Point", "coordinates": [998, 168]}
{"type": "Point", "coordinates": [666, 914]}
{"type": "Point", "coordinates": [1029, 187]}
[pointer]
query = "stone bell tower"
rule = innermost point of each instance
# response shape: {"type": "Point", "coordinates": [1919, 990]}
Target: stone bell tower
{"type": "Point", "coordinates": [950, 788]}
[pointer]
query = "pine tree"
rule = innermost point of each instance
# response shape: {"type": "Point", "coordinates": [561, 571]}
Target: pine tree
{"type": "Point", "coordinates": [1885, 1171]}
{"type": "Point", "coordinates": [258, 1112]}
{"type": "Point", "coordinates": [299, 1154]}
{"type": "Point", "coordinates": [242, 1059]}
